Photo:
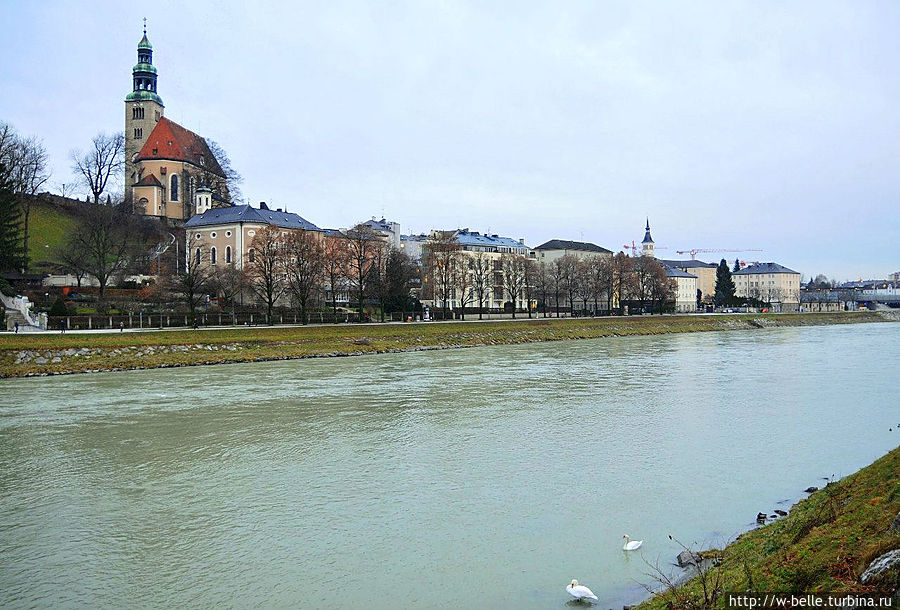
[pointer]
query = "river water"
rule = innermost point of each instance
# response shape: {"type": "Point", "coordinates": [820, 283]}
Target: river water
{"type": "Point", "coordinates": [473, 478]}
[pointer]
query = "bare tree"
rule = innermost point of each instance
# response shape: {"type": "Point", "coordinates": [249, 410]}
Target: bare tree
{"type": "Point", "coordinates": [265, 269]}
{"type": "Point", "coordinates": [622, 280]}
{"type": "Point", "coordinates": [662, 288]}
{"type": "Point", "coordinates": [644, 268]}
{"type": "Point", "coordinates": [529, 281]}
{"type": "Point", "coordinates": [513, 277]}
{"type": "Point", "coordinates": [102, 237]}
{"type": "Point", "coordinates": [305, 265]}
{"type": "Point", "coordinates": [571, 278]}
{"type": "Point", "coordinates": [23, 164]}
{"type": "Point", "coordinates": [559, 280]}
{"type": "Point", "coordinates": [442, 252]}
{"type": "Point", "coordinates": [227, 184]}
{"type": "Point", "coordinates": [585, 287]}
{"type": "Point", "coordinates": [194, 281]}
{"type": "Point", "coordinates": [100, 163]}
{"type": "Point", "coordinates": [378, 277]}
{"type": "Point", "coordinates": [361, 244]}
{"type": "Point", "coordinates": [228, 282]}
{"type": "Point", "coordinates": [462, 283]}
{"type": "Point", "coordinates": [337, 259]}
{"type": "Point", "coordinates": [543, 283]}
{"type": "Point", "coordinates": [481, 279]}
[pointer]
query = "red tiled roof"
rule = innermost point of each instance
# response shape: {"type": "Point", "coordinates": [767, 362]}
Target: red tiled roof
{"type": "Point", "coordinates": [169, 140]}
{"type": "Point", "coordinates": [149, 180]}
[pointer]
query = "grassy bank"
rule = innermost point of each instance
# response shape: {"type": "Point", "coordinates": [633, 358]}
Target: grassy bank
{"type": "Point", "coordinates": [823, 545]}
{"type": "Point", "coordinates": [41, 354]}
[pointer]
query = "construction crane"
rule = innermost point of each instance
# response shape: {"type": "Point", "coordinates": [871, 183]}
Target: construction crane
{"type": "Point", "coordinates": [694, 251]}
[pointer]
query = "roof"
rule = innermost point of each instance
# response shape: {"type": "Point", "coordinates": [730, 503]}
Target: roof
{"type": "Point", "coordinates": [764, 268]}
{"type": "Point", "coordinates": [563, 244]}
{"type": "Point", "coordinates": [673, 272]}
{"type": "Point", "coordinates": [647, 238]}
{"type": "Point", "coordinates": [169, 140]}
{"type": "Point", "coordinates": [246, 213]}
{"type": "Point", "coordinates": [149, 180]}
{"type": "Point", "coordinates": [380, 225]}
{"type": "Point", "coordinates": [144, 43]}
{"type": "Point", "coordinates": [474, 238]}
{"type": "Point", "coordinates": [691, 264]}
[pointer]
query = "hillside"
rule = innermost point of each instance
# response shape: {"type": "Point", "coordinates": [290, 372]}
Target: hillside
{"type": "Point", "coordinates": [52, 217]}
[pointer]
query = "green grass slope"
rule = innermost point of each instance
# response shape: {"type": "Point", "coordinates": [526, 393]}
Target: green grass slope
{"type": "Point", "coordinates": [49, 225]}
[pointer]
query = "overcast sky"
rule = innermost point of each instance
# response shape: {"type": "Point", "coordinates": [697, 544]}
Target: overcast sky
{"type": "Point", "coordinates": [765, 125]}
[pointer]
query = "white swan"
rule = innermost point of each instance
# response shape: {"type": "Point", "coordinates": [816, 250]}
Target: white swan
{"type": "Point", "coordinates": [579, 591]}
{"type": "Point", "coordinates": [631, 545]}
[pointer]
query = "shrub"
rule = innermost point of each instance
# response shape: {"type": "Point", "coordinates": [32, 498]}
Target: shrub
{"type": "Point", "coordinates": [6, 289]}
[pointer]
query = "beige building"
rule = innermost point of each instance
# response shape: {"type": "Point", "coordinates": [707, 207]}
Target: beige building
{"type": "Point", "coordinates": [704, 272]}
{"type": "Point", "coordinates": [685, 289]}
{"type": "Point", "coordinates": [771, 283]}
{"type": "Point", "coordinates": [224, 236]}
{"type": "Point", "coordinates": [557, 248]}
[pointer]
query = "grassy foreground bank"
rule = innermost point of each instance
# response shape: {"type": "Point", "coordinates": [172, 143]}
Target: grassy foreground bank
{"type": "Point", "coordinates": [823, 545]}
{"type": "Point", "coordinates": [43, 354]}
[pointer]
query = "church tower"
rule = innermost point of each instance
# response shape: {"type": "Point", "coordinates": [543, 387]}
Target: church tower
{"type": "Point", "coordinates": [143, 109]}
{"type": "Point", "coordinates": [647, 248]}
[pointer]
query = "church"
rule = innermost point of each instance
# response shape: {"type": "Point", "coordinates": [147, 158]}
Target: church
{"type": "Point", "coordinates": [165, 163]}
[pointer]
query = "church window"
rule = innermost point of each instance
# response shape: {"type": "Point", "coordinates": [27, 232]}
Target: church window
{"type": "Point", "coordinates": [174, 182]}
{"type": "Point", "coordinates": [227, 254]}
{"type": "Point", "coordinates": [138, 133]}
{"type": "Point", "coordinates": [213, 234]}
{"type": "Point", "coordinates": [212, 255]}
{"type": "Point", "coordinates": [198, 256]}
{"type": "Point", "coordinates": [251, 254]}
{"type": "Point", "coordinates": [198, 236]}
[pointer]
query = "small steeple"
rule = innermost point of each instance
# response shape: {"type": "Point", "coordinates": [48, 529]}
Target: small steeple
{"type": "Point", "coordinates": [647, 238]}
{"type": "Point", "coordinates": [647, 248]}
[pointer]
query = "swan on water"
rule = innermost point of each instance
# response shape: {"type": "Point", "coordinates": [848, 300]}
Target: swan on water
{"type": "Point", "coordinates": [579, 591]}
{"type": "Point", "coordinates": [631, 545]}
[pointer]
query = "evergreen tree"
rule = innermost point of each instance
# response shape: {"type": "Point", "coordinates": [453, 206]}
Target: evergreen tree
{"type": "Point", "coordinates": [724, 285]}
{"type": "Point", "coordinates": [737, 266]}
{"type": "Point", "coordinates": [10, 227]}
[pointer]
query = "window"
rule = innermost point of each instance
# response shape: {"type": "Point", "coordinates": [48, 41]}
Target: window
{"type": "Point", "coordinates": [174, 182]}
{"type": "Point", "coordinates": [213, 234]}
{"type": "Point", "coordinates": [227, 233]}
{"type": "Point", "coordinates": [198, 236]}
{"type": "Point", "coordinates": [138, 133]}
{"type": "Point", "coordinates": [137, 113]}
{"type": "Point", "coordinates": [198, 256]}
{"type": "Point", "coordinates": [212, 255]}
{"type": "Point", "coordinates": [227, 254]}
{"type": "Point", "coordinates": [251, 233]}
{"type": "Point", "coordinates": [251, 255]}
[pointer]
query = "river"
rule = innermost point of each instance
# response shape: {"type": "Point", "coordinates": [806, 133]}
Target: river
{"type": "Point", "coordinates": [470, 478]}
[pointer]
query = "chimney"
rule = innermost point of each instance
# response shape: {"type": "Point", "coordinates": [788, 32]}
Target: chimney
{"type": "Point", "coordinates": [263, 206]}
{"type": "Point", "coordinates": [278, 210]}
{"type": "Point", "coordinates": [522, 240]}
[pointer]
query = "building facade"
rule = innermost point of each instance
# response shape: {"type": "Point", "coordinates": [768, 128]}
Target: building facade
{"type": "Point", "coordinates": [704, 272]}
{"type": "Point", "coordinates": [770, 283]}
{"type": "Point", "coordinates": [555, 249]}
{"type": "Point", "coordinates": [685, 289]}
{"type": "Point", "coordinates": [224, 236]}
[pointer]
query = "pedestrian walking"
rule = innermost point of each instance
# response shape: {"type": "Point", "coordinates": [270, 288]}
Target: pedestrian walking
{"type": "Point", "coordinates": [17, 328]}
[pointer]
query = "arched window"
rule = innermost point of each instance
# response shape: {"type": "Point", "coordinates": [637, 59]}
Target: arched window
{"type": "Point", "coordinates": [228, 254]}
{"type": "Point", "coordinates": [251, 254]}
{"type": "Point", "coordinates": [174, 181]}
{"type": "Point", "coordinates": [198, 256]}
{"type": "Point", "coordinates": [212, 255]}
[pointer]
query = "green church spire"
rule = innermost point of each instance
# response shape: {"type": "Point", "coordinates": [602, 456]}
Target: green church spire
{"type": "Point", "coordinates": [144, 73]}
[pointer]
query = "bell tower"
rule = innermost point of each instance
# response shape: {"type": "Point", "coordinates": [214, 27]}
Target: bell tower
{"type": "Point", "coordinates": [143, 108]}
